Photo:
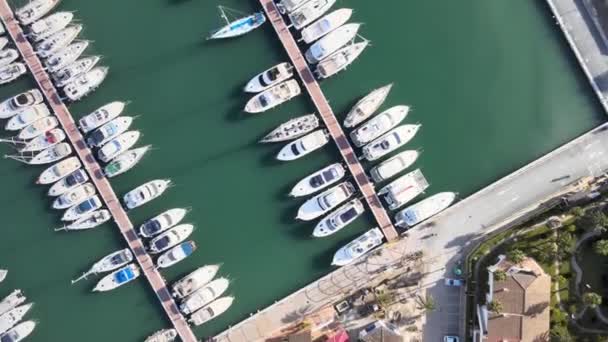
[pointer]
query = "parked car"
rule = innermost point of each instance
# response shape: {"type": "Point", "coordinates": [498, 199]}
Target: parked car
{"type": "Point", "coordinates": [451, 339]}
{"type": "Point", "coordinates": [453, 282]}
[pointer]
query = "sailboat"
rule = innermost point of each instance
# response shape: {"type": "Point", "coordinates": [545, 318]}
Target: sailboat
{"type": "Point", "coordinates": [237, 27]}
{"type": "Point", "coordinates": [3, 274]}
{"type": "Point", "coordinates": [108, 263]}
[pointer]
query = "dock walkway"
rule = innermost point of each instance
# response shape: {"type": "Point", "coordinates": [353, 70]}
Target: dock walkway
{"type": "Point", "coordinates": [328, 117]}
{"type": "Point", "coordinates": [99, 180]}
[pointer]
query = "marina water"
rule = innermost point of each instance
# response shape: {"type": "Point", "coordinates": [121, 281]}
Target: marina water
{"type": "Point", "coordinates": [492, 83]}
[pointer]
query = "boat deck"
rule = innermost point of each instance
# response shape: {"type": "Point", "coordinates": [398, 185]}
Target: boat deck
{"type": "Point", "coordinates": [99, 180]}
{"type": "Point", "coordinates": [330, 120]}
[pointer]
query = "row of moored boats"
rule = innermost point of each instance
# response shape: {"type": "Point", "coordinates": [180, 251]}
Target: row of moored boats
{"type": "Point", "coordinates": [13, 309]}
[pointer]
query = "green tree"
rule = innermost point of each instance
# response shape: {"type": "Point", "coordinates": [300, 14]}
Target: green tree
{"type": "Point", "coordinates": [577, 212]}
{"type": "Point", "coordinates": [495, 306]}
{"type": "Point", "coordinates": [565, 241]}
{"type": "Point", "coordinates": [571, 228]}
{"type": "Point", "coordinates": [560, 333]}
{"type": "Point", "coordinates": [592, 299]}
{"type": "Point", "coordinates": [516, 256]}
{"type": "Point", "coordinates": [500, 275]}
{"type": "Point", "coordinates": [601, 247]}
{"type": "Point", "coordinates": [427, 303]}
{"type": "Point", "coordinates": [598, 218]}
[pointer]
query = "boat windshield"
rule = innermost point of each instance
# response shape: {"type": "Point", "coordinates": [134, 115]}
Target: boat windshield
{"type": "Point", "coordinates": [317, 181]}
{"type": "Point", "coordinates": [330, 174]}
{"type": "Point", "coordinates": [75, 178]}
{"type": "Point", "coordinates": [295, 150]}
{"type": "Point", "coordinates": [22, 100]}
{"type": "Point", "coordinates": [273, 74]}
{"type": "Point", "coordinates": [162, 243]}
{"type": "Point", "coordinates": [348, 215]}
{"type": "Point", "coordinates": [263, 101]}
{"type": "Point", "coordinates": [151, 226]}
{"type": "Point", "coordinates": [124, 275]}
{"type": "Point", "coordinates": [86, 206]}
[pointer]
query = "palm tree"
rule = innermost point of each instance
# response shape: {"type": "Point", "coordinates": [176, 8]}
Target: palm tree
{"type": "Point", "coordinates": [427, 303]}
{"type": "Point", "coordinates": [495, 306]}
{"type": "Point", "coordinates": [598, 218]}
{"type": "Point", "coordinates": [516, 256]}
{"type": "Point", "coordinates": [560, 333]}
{"type": "Point", "coordinates": [577, 212]}
{"type": "Point", "coordinates": [601, 247]}
{"type": "Point", "coordinates": [592, 299]}
{"type": "Point", "coordinates": [500, 275]}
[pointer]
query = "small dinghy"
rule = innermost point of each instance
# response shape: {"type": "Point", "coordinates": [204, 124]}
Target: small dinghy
{"type": "Point", "coordinates": [340, 60]}
{"type": "Point", "coordinates": [326, 24]}
{"type": "Point", "coordinates": [81, 209]}
{"type": "Point", "coordinates": [393, 166]}
{"type": "Point", "coordinates": [49, 139]}
{"type": "Point", "coordinates": [38, 127]}
{"type": "Point", "coordinates": [19, 102]}
{"type": "Point", "coordinates": [118, 145]}
{"type": "Point", "coordinates": [27, 116]}
{"type": "Point", "coordinates": [74, 70]}
{"type": "Point", "coordinates": [50, 25]}
{"type": "Point", "coordinates": [89, 221]}
{"type": "Point", "coordinates": [12, 300]}
{"type": "Point", "coordinates": [170, 238]}
{"type": "Point", "coordinates": [85, 83]}
{"type": "Point", "coordinates": [109, 131]}
{"type": "Point", "coordinates": [304, 145]}
{"type": "Point", "coordinates": [211, 311]}
{"type": "Point", "coordinates": [309, 12]}
{"type": "Point", "coordinates": [11, 72]}
{"type": "Point", "coordinates": [117, 278]}
{"type": "Point", "coordinates": [379, 125]}
{"type": "Point", "coordinates": [204, 295]}
{"type": "Point", "coordinates": [176, 254]}
{"type": "Point", "coordinates": [358, 247]}
{"type": "Point", "coordinates": [145, 193]}
{"type": "Point", "coordinates": [14, 316]}
{"type": "Point", "coordinates": [237, 27]}
{"type": "Point", "coordinates": [363, 109]}
{"type": "Point", "coordinates": [424, 209]}
{"type": "Point", "coordinates": [69, 182]}
{"type": "Point", "coordinates": [8, 56]}
{"type": "Point", "coordinates": [125, 161]}
{"type": "Point", "coordinates": [318, 180]}
{"type": "Point", "coordinates": [59, 170]}
{"type": "Point", "coordinates": [329, 44]}
{"type": "Point", "coordinates": [292, 129]}
{"type": "Point", "coordinates": [390, 141]}
{"type": "Point", "coordinates": [100, 116]}
{"type": "Point", "coordinates": [66, 56]}
{"type": "Point", "coordinates": [269, 78]}
{"type": "Point", "coordinates": [3, 42]}
{"type": "Point", "coordinates": [339, 218]}
{"type": "Point", "coordinates": [50, 155]}
{"type": "Point", "coordinates": [35, 10]}
{"type": "Point", "coordinates": [108, 263]}
{"type": "Point", "coordinates": [19, 332]}
{"type": "Point", "coordinates": [165, 335]}
{"type": "Point", "coordinates": [325, 201]}
{"type": "Point", "coordinates": [3, 274]}
{"type": "Point", "coordinates": [162, 222]}
{"type": "Point", "coordinates": [76, 195]}
{"type": "Point", "coordinates": [58, 41]}
{"type": "Point", "coordinates": [273, 96]}
{"type": "Point", "coordinates": [194, 281]}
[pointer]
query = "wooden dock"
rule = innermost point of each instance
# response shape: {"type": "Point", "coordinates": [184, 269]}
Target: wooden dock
{"type": "Point", "coordinates": [328, 117]}
{"type": "Point", "coordinates": [99, 180]}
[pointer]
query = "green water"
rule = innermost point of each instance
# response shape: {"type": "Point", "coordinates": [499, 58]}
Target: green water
{"type": "Point", "coordinates": [492, 83]}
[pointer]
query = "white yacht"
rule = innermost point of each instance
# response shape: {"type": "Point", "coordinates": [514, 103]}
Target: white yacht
{"type": "Point", "coordinates": [290, 5]}
{"type": "Point", "coordinates": [101, 116]}
{"type": "Point", "coordinates": [50, 155]}
{"type": "Point", "coordinates": [204, 295]}
{"type": "Point", "coordinates": [8, 56]}
{"type": "Point", "coordinates": [209, 312]}
{"type": "Point", "coordinates": [27, 116]}
{"type": "Point", "coordinates": [118, 145]}
{"type": "Point", "coordinates": [19, 332]}
{"type": "Point", "coordinates": [326, 24]}
{"type": "Point", "coordinates": [41, 142]}
{"type": "Point", "coordinates": [333, 41]}
{"type": "Point", "coordinates": [318, 180]}
{"type": "Point", "coordinates": [358, 247]}
{"type": "Point", "coordinates": [194, 281]}
{"type": "Point", "coordinates": [76, 195]}
{"type": "Point", "coordinates": [14, 316]}
{"type": "Point", "coordinates": [14, 105]}
{"type": "Point", "coordinates": [340, 60]}
{"type": "Point", "coordinates": [59, 170]}
{"type": "Point", "coordinates": [268, 78]}
{"type": "Point", "coordinates": [58, 41]}
{"type": "Point", "coordinates": [34, 10]}
{"type": "Point", "coordinates": [125, 161]}
{"type": "Point", "coordinates": [394, 165]}
{"type": "Point", "coordinates": [145, 193]}
{"type": "Point", "coordinates": [379, 125]}
{"type": "Point", "coordinates": [85, 83]}
{"type": "Point", "coordinates": [304, 145]}
{"type": "Point", "coordinates": [164, 335]}
{"type": "Point", "coordinates": [118, 278]}
{"type": "Point", "coordinates": [325, 201]}
{"type": "Point", "coordinates": [389, 142]}
{"type": "Point", "coordinates": [11, 72]}
{"type": "Point", "coordinates": [68, 182]}
{"type": "Point", "coordinates": [176, 254]}
{"type": "Point", "coordinates": [273, 96]}
{"type": "Point", "coordinates": [292, 129]}
{"type": "Point", "coordinates": [424, 209]}
{"type": "Point", "coordinates": [51, 24]}
{"type": "Point", "coordinates": [3, 274]}
{"type": "Point", "coordinates": [162, 222]}
{"type": "Point", "coordinates": [81, 209]}
{"type": "Point", "coordinates": [109, 263]}
{"type": "Point", "coordinates": [66, 56]}
{"type": "Point", "coordinates": [339, 218]}
{"type": "Point", "coordinates": [38, 127]}
{"type": "Point", "coordinates": [88, 221]}
{"type": "Point", "coordinates": [3, 41]}
{"type": "Point", "coordinates": [309, 12]}
{"type": "Point", "coordinates": [365, 107]}
{"type": "Point", "coordinates": [170, 238]}
{"type": "Point", "coordinates": [74, 70]}
{"type": "Point", "coordinates": [404, 189]}
{"type": "Point", "coordinates": [12, 300]}
{"type": "Point", "coordinates": [109, 131]}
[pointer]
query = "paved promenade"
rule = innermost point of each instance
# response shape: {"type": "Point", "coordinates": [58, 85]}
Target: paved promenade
{"type": "Point", "coordinates": [328, 117]}
{"type": "Point", "coordinates": [99, 180]}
